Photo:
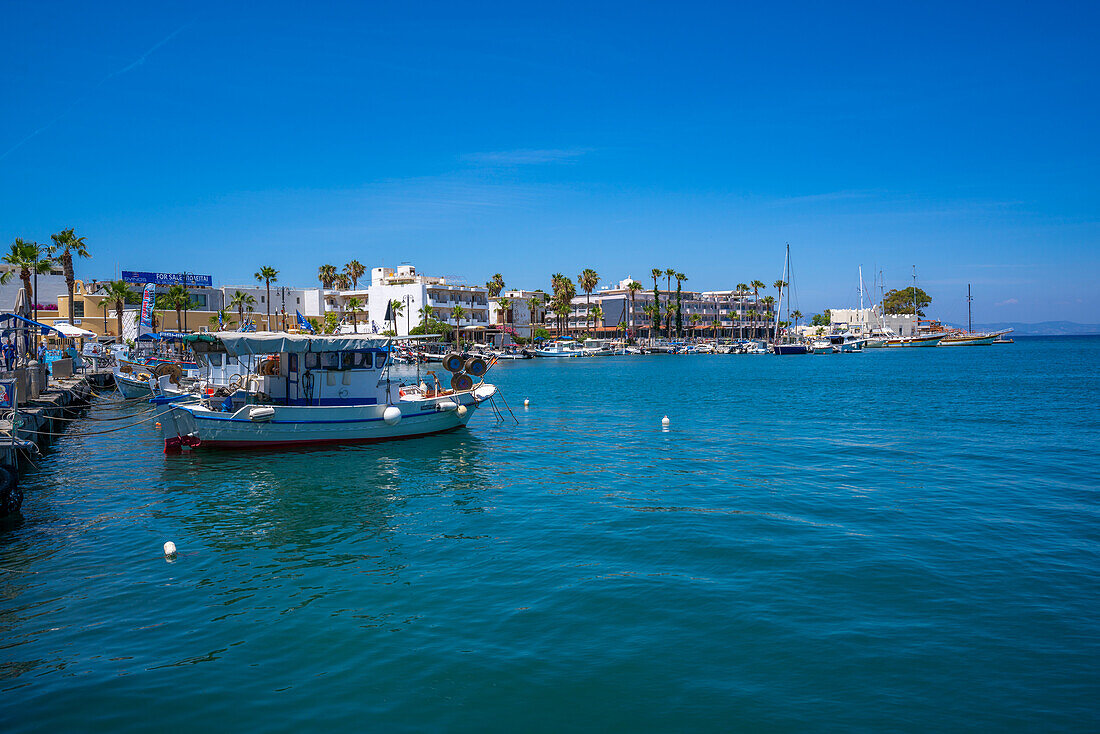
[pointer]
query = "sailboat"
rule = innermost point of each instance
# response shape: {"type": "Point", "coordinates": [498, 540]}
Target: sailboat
{"type": "Point", "coordinates": [787, 347]}
{"type": "Point", "coordinates": [971, 338]}
{"type": "Point", "coordinates": [917, 339]}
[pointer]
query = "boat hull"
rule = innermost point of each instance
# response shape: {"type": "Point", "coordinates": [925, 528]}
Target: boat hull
{"type": "Point", "coordinates": [288, 426]}
{"type": "Point", "coordinates": [787, 349]}
{"type": "Point", "coordinates": [979, 341]}
{"type": "Point", "coordinates": [918, 341]}
{"type": "Point", "coordinates": [130, 387]}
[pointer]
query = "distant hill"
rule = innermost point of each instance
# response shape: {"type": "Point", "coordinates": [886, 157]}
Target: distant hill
{"type": "Point", "coordinates": [1042, 328]}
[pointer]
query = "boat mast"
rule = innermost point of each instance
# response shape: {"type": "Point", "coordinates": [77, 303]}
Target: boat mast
{"type": "Point", "coordinates": [779, 308]}
{"type": "Point", "coordinates": [916, 320]}
{"type": "Point", "coordinates": [969, 317]}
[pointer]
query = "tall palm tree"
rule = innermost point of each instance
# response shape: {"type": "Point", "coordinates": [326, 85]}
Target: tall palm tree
{"type": "Point", "coordinates": [342, 282]}
{"type": "Point", "coordinates": [752, 317]}
{"type": "Point", "coordinates": [355, 271]}
{"type": "Point", "coordinates": [779, 285]}
{"type": "Point", "coordinates": [588, 280]}
{"type": "Point", "coordinates": [354, 305]}
{"type": "Point", "coordinates": [458, 313]}
{"type": "Point", "coordinates": [716, 325]}
{"type": "Point", "coordinates": [241, 301]}
{"type": "Point", "coordinates": [503, 304]}
{"type": "Point", "coordinates": [680, 280]}
{"type": "Point", "coordinates": [116, 293]}
{"type": "Point", "coordinates": [769, 302]}
{"type": "Point", "coordinates": [796, 315]}
{"type": "Point", "coordinates": [425, 312]}
{"type": "Point", "coordinates": [495, 285]}
{"type": "Point", "coordinates": [655, 315]}
{"type": "Point", "coordinates": [396, 307]}
{"type": "Point", "coordinates": [68, 244]}
{"type": "Point", "coordinates": [597, 315]}
{"type": "Point", "coordinates": [632, 288]}
{"type": "Point", "coordinates": [742, 289]}
{"type": "Point", "coordinates": [177, 298]}
{"type": "Point", "coordinates": [756, 286]}
{"type": "Point", "coordinates": [27, 259]}
{"type": "Point", "coordinates": [327, 275]}
{"type": "Point", "coordinates": [267, 276]}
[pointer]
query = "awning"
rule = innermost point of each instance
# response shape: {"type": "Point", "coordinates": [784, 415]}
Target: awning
{"type": "Point", "coordinates": [72, 332]}
{"type": "Point", "coordinates": [29, 322]}
{"type": "Point", "coordinates": [238, 343]}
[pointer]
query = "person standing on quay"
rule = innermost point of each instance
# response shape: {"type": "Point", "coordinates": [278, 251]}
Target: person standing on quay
{"type": "Point", "coordinates": [9, 354]}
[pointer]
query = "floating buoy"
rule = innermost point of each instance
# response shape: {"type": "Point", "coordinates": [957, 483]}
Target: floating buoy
{"type": "Point", "coordinates": [158, 424]}
{"type": "Point", "coordinates": [665, 421]}
{"type": "Point", "coordinates": [461, 411]}
{"type": "Point", "coordinates": [392, 415]}
{"type": "Point", "coordinates": [169, 549]}
{"type": "Point", "coordinates": [526, 402]}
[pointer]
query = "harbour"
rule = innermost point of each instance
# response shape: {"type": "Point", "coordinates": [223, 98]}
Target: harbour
{"type": "Point", "coordinates": [477, 579]}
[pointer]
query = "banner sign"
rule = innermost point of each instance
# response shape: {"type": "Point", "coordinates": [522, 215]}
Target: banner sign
{"type": "Point", "coordinates": [201, 281]}
{"type": "Point", "coordinates": [7, 393]}
{"type": "Point", "coordinates": [147, 305]}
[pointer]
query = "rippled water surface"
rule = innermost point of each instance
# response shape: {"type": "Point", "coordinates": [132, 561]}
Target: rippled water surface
{"type": "Point", "coordinates": [898, 540]}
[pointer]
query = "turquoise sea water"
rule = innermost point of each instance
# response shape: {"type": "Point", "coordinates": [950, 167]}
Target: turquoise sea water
{"type": "Point", "coordinates": [898, 540]}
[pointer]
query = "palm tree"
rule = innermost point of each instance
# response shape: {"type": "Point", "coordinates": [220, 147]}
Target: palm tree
{"type": "Point", "coordinates": [355, 271]}
{"type": "Point", "coordinates": [240, 301]}
{"type": "Point", "coordinates": [562, 310]}
{"type": "Point", "coordinates": [597, 315]}
{"type": "Point", "coordinates": [694, 321]}
{"type": "Point", "coordinates": [220, 318]}
{"type": "Point", "coordinates": [632, 288]}
{"type": "Point", "coordinates": [768, 302]}
{"type": "Point", "coordinates": [495, 285]}
{"type": "Point", "coordinates": [588, 280]}
{"type": "Point", "coordinates": [396, 307]}
{"type": "Point", "coordinates": [27, 259]}
{"type": "Point", "coordinates": [177, 298]}
{"type": "Point", "coordinates": [67, 243]}
{"type": "Point", "coordinates": [116, 293]}
{"type": "Point", "coordinates": [742, 288]}
{"type": "Point", "coordinates": [327, 275]}
{"type": "Point", "coordinates": [752, 316]}
{"type": "Point", "coordinates": [756, 286]}
{"type": "Point", "coordinates": [355, 305]}
{"type": "Point", "coordinates": [655, 315]}
{"type": "Point", "coordinates": [680, 280]}
{"type": "Point", "coordinates": [716, 325]}
{"type": "Point", "coordinates": [457, 313]}
{"type": "Point", "coordinates": [425, 312]}
{"type": "Point", "coordinates": [779, 285]}
{"type": "Point", "coordinates": [502, 308]}
{"type": "Point", "coordinates": [267, 276]}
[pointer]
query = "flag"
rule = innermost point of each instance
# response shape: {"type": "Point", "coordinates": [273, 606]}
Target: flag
{"type": "Point", "coordinates": [304, 324]}
{"type": "Point", "coordinates": [221, 326]}
{"type": "Point", "coordinates": [389, 312]}
{"type": "Point", "coordinates": [374, 326]}
{"type": "Point", "coordinates": [147, 299]}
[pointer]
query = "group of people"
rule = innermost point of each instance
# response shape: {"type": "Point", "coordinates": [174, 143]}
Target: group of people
{"type": "Point", "coordinates": [10, 351]}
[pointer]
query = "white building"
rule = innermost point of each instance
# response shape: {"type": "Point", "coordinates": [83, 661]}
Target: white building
{"type": "Point", "coordinates": [414, 292]}
{"type": "Point", "coordinates": [50, 286]}
{"type": "Point", "coordinates": [864, 320]}
{"type": "Point", "coordinates": [284, 299]}
{"type": "Point", "coordinates": [520, 317]}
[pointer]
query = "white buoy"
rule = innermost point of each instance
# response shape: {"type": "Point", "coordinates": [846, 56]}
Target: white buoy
{"type": "Point", "coordinates": [665, 421]}
{"type": "Point", "coordinates": [461, 411]}
{"type": "Point", "coordinates": [526, 402]}
{"type": "Point", "coordinates": [169, 549]}
{"type": "Point", "coordinates": [392, 415]}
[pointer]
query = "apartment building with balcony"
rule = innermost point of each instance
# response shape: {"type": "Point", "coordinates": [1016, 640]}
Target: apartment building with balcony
{"type": "Point", "coordinates": [462, 306]}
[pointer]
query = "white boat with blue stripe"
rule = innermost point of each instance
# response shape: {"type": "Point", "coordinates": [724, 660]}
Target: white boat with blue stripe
{"type": "Point", "coordinates": [310, 390]}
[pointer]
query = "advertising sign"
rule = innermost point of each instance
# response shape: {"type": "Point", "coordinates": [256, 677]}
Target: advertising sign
{"type": "Point", "coordinates": [191, 279]}
{"type": "Point", "coordinates": [147, 305]}
{"type": "Point", "coordinates": [7, 393]}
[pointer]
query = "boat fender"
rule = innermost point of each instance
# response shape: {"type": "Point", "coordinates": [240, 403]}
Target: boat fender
{"type": "Point", "coordinates": [169, 549]}
{"type": "Point", "coordinates": [446, 405]}
{"type": "Point", "coordinates": [476, 366]}
{"type": "Point", "coordinates": [260, 413]}
{"type": "Point", "coordinates": [453, 362]}
{"type": "Point", "coordinates": [392, 415]}
{"type": "Point", "coordinates": [461, 411]}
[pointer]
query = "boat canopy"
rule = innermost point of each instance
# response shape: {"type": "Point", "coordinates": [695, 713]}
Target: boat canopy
{"type": "Point", "coordinates": [245, 343]}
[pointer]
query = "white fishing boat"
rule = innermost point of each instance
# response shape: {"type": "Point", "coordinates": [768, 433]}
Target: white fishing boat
{"type": "Point", "coordinates": [562, 348]}
{"type": "Point", "coordinates": [846, 343]}
{"type": "Point", "coordinates": [821, 346]}
{"type": "Point", "coordinates": [324, 389]}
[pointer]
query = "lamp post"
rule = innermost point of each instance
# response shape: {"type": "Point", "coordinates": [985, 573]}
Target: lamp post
{"type": "Point", "coordinates": [408, 300]}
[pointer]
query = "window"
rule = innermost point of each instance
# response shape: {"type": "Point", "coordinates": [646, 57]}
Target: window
{"type": "Point", "coordinates": [78, 309]}
{"type": "Point", "coordinates": [379, 359]}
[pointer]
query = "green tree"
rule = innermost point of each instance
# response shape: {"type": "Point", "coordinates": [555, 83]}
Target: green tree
{"type": "Point", "coordinates": [821, 319]}
{"type": "Point", "coordinates": [756, 286]}
{"type": "Point", "coordinates": [220, 318]}
{"type": "Point", "coordinates": [495, 285]}
{"type": "Point", "coordinates": [354, 270]}
{"type": "Point", "coordinates": [425, 313]}
{"type": "Point", "coordinates": [332, 322]}
{"type": "Point", "coordinates": [241, 301]}
{"type": "Point", "coordinates": [588, 280]}
{"type": "Point", "coordinates": [177, 299]}
{"type": "Point", "coordinates": [268, 275]}
{"type": "Point", "coordinates": [655, 312]}
{"type": "Point", "coordinates": [396, 307]}
{"type": "Point", "coordinates": [680, 278]}
{"type": "Point", "coordinates": [27, 258]}
{"type": "Point", "coordinates": [68, 244]}
{"type": "Point", "coordinates": [116, 293]}
{"type": "Point", "coordinates": [503, 304]}
{"type": "Point", "coordinates": [354, 305]}
{"type": "Point", "coordinates": [327, 275]}
{"type": "Point", "coordinates": [597, 315]}
{"type": "Point", "coordinates": [632, 289]}
{"type": "Point", "coordinates": [898, 302]}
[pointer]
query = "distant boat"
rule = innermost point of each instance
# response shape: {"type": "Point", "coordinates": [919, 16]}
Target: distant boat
{"type": "Point", "coordinates": [562, 348]}
{"type": "Point", "coordinates": [821, 346]}
{"type": "Point", "coordinates": [923, 340]}
{"type": "Point", "coordinates": [962, 339]}
{"type": "Point", "coordinates": [1003, 340]}
{"type": "Point", "coordinates": [788, 347]}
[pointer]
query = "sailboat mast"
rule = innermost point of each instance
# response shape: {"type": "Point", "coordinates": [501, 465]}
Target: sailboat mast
{"type": "Point", "coordinates": [779, 307]}
{"type": "Point", "coordinates": [916, 321]}
{"type": "Point", "coordinates": [969, 316]}
{"type": "Point", "coordinates": [860, 287]}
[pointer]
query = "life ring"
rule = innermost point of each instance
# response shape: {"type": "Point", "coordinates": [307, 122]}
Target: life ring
{"type": "Point", "coordinates": [476, 366]}
{"type": "Point", "coordinates": [453, 362]}
{"type": "Point", "coordinates": [174, 372]}
{"type": "Point", "coordinates": [461, 382]}
{"type": "Point", "coordinates": [269, 367]}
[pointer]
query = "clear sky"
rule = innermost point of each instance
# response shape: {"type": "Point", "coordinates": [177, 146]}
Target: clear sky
{"type": "Point", "coordinates": [470, 139]}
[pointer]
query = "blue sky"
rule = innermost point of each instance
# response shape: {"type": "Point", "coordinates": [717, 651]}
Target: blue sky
{"type": "Point", "coordinates": [960, 138]}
